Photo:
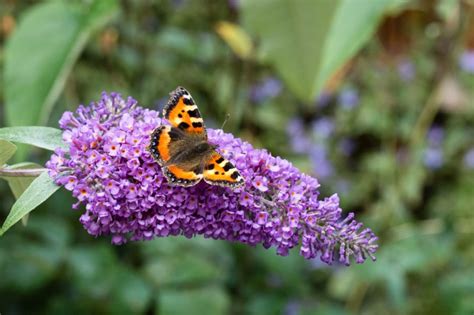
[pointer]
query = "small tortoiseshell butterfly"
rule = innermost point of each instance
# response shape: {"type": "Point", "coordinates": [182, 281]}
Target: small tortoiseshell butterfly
{"type": "Point", "coordinates": [182, 149]}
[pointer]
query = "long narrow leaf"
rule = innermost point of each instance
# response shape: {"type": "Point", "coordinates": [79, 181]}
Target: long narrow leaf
{"type": "Point", "coordinates": [292, 35]}
{"type": "Point", "coordinates": [38, 192]}
{"type": "Point", "coordinates": [353, 25]}
{"type": "Point", "coordinates": [41, 137]}
{"type": "Point", "coordinates": [307, 41]}
{"type": "Point", "coordinates": [41, 53]}
{"type": "Point", "coordinates": [18, 185]}
{"type": "Point", "coordinates": [7, 149]}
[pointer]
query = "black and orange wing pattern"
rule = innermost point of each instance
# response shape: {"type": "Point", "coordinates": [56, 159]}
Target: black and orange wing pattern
{"type": "Point", "coordinates": [182, 112]}
{"type": "Point", "coordinates": [187, 129]}
{"type": "Point", "coordinates": [220, 171]}
{"type": "Point", "coordinates": [159, 144]}
{"type": "Point", "coordinates": [160, 147]}
{"type": "Point", "coordinates": [178, 176]}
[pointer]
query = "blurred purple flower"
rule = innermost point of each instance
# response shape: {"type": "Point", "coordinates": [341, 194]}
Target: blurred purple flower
{"type": "Point", "coordinates": [435, 136]}
{"type": "Point", "coordinates": [295, 126]}
{"type": "Point", "coordinates": [299, 142]}
{"type": "Point", "coordinates": [321, 165]}
{"type": "Point", "coordinates": [316, 264]}
{"type": "Point", "coordinates": [323, 127]}
{"type": "Point", "coordinates": [292, 308]}
{"type": "Point", "coordinates": [346, 146]}
{"type": "Point", "coordinates": [466, 61]}
{"type": "Point", "coordinates": [469, 158]}
{"type": "Point", "coordinates": [133, 201]}
{"type": "Point", "coordinates": [406, 70]}
{"type": "Point", "coordinates": [269, 88]}
{"type": "Point", "coordinates": [433, 157]}
{"type": "Point", "coordinates": [178, 3]}
{"type": "Point", "coordinates": [323, 99]}
{"type": "Point", "coordinates": [234, 4]}
{"type": "Point", "coordinates": [348, 98]}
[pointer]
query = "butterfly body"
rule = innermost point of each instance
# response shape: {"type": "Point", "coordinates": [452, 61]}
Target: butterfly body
{"type": "Point", "coordinates": [183, 150]}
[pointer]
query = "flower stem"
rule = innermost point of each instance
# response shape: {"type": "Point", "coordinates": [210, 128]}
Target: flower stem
{"type": "Point", "coordinates": [32, 172]}
{"type": "Point", "coordinates": [425, 119]}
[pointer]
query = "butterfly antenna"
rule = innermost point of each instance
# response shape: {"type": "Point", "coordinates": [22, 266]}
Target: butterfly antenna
{"type": "Point", "coordinates": [227, 116]}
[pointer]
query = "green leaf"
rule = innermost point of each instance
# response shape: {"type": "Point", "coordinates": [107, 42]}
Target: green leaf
{"type": "Point", "coordinates": [292, 35]}
{"type": "Point", "coordinates": [397, 289]}
{"type": "Point", "coordinates": [183, 269]}
{"type": "Point", "coordinates": [19, 184]}
{"type": "Point", "coordinates": [41, 137]}
{"type": "Point", "coordinates": [132, 291]}
{"type": "Point", "coordinates": [211, 301]}
{"type": "Point", "coordinates": [265, 304]}
{"type": "Point", "coordinates": [307, 41]}
{"type": "Point", "coordinates": [352, 26]}
{"type": "Point", "coordinates": [86, 263]}
{"type": "Point", "coordinates": [41, 53]}
{"type": "Point", "coordinates": [29, 266]}
{"type": "Point", "coordinates": [185, 262]}
{"type": "Point", "coordinates": [39, 190]}
{"type": "Point", "coordinates": [7, 149]}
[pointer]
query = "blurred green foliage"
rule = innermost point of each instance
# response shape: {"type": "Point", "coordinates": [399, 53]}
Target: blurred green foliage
{"type": "Point", "coordinates": [392, 133]}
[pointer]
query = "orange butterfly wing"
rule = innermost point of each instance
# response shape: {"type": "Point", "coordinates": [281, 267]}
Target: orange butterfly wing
{"type": "Point", "coordinates": [160, 150]}
{"type": "Point", "coordinates": [220, 171]}
{"type": "Point", "coordinates": [159, 144]}
{"type": "Point", "coordinates": [182, 112]}
{"type": "Point", "coordinates": [178, 176]}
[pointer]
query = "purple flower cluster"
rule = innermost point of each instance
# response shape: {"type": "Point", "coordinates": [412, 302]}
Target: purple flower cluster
{"type": "Point", "coordinates": [348, 98]}
{"type": "Point", "coordinates": [466, 61]}
{"type": "Point", "coordinates": [267, 89]}
{"type": "Point", "coordinates": [299, 141]}
{"type": "Point", "coordinates": [406, 70]}
{"type": "Point", "coordinates": [469, 158]}
{"type": "Point", "coordinates": [109, 170]}
{"type": "Point", "coordinates": [315, 146]}
{"type": "Point", "coordinates": [433, 154]}
{"type": "Point", "coordinates": [316, 142]}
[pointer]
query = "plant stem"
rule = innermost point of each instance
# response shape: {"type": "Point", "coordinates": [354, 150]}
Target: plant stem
{"type": "Point", "coordinates": [425, 119]}
{"type": "Point", "coordinates": [32, 172]}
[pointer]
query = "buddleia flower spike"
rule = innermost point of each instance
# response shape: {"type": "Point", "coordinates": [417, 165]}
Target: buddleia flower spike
{"type": "Point", "coordinates": [125, 195]}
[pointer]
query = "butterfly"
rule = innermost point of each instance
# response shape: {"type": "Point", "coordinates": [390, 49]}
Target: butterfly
{"type": "Point", "coordinates": [183, 151]}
